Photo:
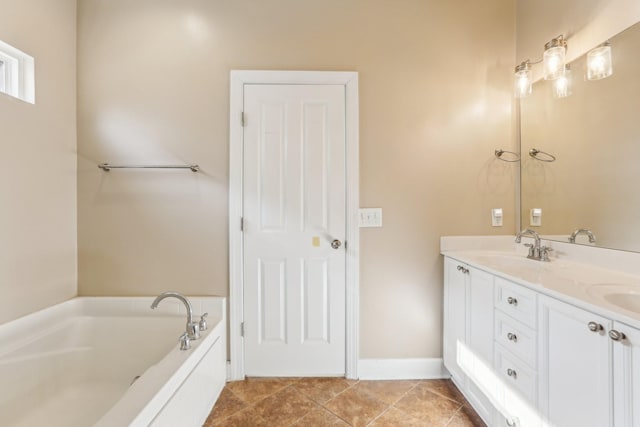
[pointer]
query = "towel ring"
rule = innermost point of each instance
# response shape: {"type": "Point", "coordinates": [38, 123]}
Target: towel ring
{"type": "Point", "coordinates": [513, 157]}
{"type": "Point", "coordinates": [542, 156]}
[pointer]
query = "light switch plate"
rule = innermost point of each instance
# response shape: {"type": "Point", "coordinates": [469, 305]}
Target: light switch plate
{"type": "Point", "coordinates": [370, 217]}
{"type": "Point", "coordinates": [535, 217]}
{"type": "Point", "coordinates": [496, 217]}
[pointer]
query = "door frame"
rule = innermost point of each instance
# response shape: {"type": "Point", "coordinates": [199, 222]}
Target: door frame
{"type": "Point", "coordinates": [240, 78]}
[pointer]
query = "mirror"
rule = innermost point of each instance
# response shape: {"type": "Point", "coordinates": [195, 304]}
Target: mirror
{"type": "Point", "coordinates": [594, 134]}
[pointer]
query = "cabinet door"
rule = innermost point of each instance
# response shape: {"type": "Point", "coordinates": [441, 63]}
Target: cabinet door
{"type": "Point", "coordinates": [575, 366]}
{"type": "Point", "coordinates": [478, 363]}
{"type": "Point", "coordinates": [626, 374]}
{"type": "Point", "coordinates": [454, 317]}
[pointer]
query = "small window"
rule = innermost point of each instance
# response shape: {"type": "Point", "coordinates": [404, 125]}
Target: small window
{"type": "Point", "coordinates": [16, 73]}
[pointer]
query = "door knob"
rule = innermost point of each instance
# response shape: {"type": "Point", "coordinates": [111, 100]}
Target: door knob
{"type": "Point", "coordinates": [335, 244]}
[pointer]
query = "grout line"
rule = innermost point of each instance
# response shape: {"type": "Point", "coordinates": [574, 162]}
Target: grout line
{"type": "Point", "coordinates": [454, 415]}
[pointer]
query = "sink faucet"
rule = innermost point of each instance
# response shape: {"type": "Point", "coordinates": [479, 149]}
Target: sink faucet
{"type": "Point", "coordinates": [592, 237]}
{"type": "Point", "coordinates": [536, 252]}
{"type": "Point", "coordinates": [193, 329]}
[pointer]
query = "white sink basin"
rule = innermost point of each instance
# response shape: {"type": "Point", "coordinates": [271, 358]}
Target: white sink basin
{"type": "Point", "coordinates": [626, 297]}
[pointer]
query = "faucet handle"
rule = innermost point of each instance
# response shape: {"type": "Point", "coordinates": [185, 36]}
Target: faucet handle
{"type": "Point", "coordinates": [203, 322]}
{"type": "Point", "coordinates": [185, 341]}
{"type": "Point", "coordinates": [532, 249]}
{"type": "Point", "coordinates": [544, 253]}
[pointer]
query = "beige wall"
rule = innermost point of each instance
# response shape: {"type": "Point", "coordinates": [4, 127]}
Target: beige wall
{"type": "Point", "coordinates": [586, 23]}
{"type": "Point", "coordinates": [38, 161]}
{"type": "Point", "coordinates": [435, 101]}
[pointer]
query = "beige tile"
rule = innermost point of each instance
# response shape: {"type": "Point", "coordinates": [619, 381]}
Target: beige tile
{"type": "Point", "coordinates": [253, 390]}
{"type": "Point", "coordinates": [387, 391]}
{"type": "Point", "coordinates": [395, 417]}
{"type": "Point", "coordinates": [320, 417]}
{"type": "Point", "coordinates": [245, 418]}
{"type": "Point", "coordinates": [321, 390]}
{"type": "Point", "coordinates": [356, 407]}
{"type": "Point", "coordinates": [226, 405]}
{"type": "Point", "coordinates": [284, 407]}
{"type": "Point", "coordinates": [444, 388]}
{"type": "Point", "coordinates": [427, 406]}
{"type": "Point", "coordinates": [466, 417]}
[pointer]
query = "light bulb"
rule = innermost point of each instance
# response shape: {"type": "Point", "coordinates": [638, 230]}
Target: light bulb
{"type": "Point", "coordinates": [562, 85]}
{"type": "Point", "coordinates": [599, 64]}
{"type": "Point", "coordinates": [554, 57]}
{"type": "Point", "coordinates": [522, 82]}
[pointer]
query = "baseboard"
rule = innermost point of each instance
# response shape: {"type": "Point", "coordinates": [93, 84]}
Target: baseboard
{"type": "Point", "coordinates": [401, 369]}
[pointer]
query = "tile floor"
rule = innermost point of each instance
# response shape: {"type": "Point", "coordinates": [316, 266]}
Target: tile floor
{"type": "Point", "coordinates": [307, 402]}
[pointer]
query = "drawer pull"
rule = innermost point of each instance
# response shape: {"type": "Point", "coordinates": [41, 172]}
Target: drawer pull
{"type": "Point", "coordinates": [511, 422]}
{"type": "Point", "coordinates": [616, 335]}
{"type": "Point", "coordinates": [512, 337]}
{"type": "Point", "coordinates": [595, 327]}
{"type": "Point", "coordinates": [513, 374]}
{"type": "Point", "coordinates": [512, 301]}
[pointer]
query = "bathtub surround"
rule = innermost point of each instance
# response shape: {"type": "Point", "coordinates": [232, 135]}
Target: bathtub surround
{"type": "Point", "coordinates": [38, 255]}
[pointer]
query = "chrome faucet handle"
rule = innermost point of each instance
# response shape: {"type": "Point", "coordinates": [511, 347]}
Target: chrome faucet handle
{"type": "Point", "coordinates": [193, 330]}
{"type": "Point", "coordinates": [532, 249]}
{"type": "Point", "coordinates": [544, 253]}
{"type": "Point", "coordinates": [203, 322]}
{"type": "Point", "coordinates": [185, 342]}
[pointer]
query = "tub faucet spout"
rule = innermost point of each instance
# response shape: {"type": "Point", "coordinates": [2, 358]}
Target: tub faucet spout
{"type": "Point", "coordinates": [193, 329]}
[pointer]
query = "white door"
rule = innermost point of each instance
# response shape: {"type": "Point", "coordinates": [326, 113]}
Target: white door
{"type": "Point", "coordinates": [294, 227]}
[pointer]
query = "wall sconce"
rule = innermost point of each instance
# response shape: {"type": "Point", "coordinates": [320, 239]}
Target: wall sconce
{"type": "Point", "coordinates": [554, 58]}
{"type": "Point", "coordinates": [522, 83]}
{"type": "Point", "coordinates": [599, 64]}
{"type": "Point", "coordinates": [562, 85]}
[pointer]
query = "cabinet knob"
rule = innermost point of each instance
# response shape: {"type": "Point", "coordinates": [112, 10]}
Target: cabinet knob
{"type": "Point", "coordinates": [512, 373]}
{"type": "Point", "coordinates": [512, 301]}
{"type": "Point", "coordinates": [616, 335]}
{"type": "Point", "coordinates": [595, 327]}
{"type": "Point", "coordinates": [512, 337]}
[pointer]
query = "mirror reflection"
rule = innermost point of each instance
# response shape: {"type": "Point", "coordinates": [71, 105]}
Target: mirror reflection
{"type": "Point", "coordinates": [592, 189]}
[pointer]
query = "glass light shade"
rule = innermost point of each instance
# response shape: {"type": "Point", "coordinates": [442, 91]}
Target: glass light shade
{"type": "Point", "coordinates": [522, 86]}
{"type": "Point", "coordinates": [562, 85]}
{"type": "Point", "coordinates": [599, 64]}
{"type": "Point", "coordinates": [553, 62]}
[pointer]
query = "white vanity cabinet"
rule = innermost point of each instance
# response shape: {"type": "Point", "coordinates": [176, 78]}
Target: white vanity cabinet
{"type": "Point", "coordinates": [523, 358]}
{"type": "Point", "coordinates": [575, 365]}
{"type": "Point", "coordinates": [468, 325]}
{"type": "Point", "coordinates": [626, 376]}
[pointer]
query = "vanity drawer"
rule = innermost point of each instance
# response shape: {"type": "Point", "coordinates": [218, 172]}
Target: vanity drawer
{"type": "Point", "coordinates": [515, 374]}
{"type": "Point", "coordinates": [517, 301]}
{"type": "Point", "coordinates": [516, 337]}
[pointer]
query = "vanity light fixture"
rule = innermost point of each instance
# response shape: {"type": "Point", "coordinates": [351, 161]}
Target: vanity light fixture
{"type": "Point", "coordinates": [562, 85]}
{"type": "Point", "coordinates": [599, 64]}
{"type": "Point", "coordinates": [522, 83]}
{"type": "Point", "coordinates": [554, 58]}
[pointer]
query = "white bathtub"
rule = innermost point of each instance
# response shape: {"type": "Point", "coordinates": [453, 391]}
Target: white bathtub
{"type": "Point", "coordinates": [74, 364]}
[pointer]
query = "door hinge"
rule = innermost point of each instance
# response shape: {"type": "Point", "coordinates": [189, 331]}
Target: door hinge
{"type": "Point", "coordinates": [345, 245]}
{"type": "Point", "coordinates": [242, 329]}
{"type": "Point", "coordinates": [242, 122]}
{"type": "Point", "coordinates": [241, 223]}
